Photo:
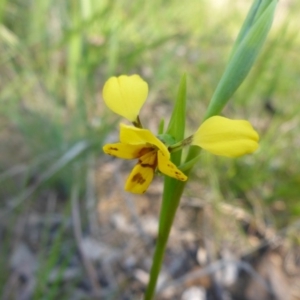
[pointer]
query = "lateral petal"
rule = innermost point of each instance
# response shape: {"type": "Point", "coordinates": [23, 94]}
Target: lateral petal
{"type": "Point", "coordinates": [226, 137]}
{"type": "Point", "coordinates": [166, 167]}
{"type": "Point", "coordinates": [136, 136]}
{"type": "Point", "coordinates": [124, 151]}
{"type": "Point", "coordinates": [125, 95]}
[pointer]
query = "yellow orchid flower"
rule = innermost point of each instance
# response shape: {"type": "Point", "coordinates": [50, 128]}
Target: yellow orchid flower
{"type": "Point", "coordinates": [226, 137]}
{"type": "Point", "coordinates": [218, 135]}
{"type": "Point", "coordinates": [152, 155]}
{"type": "Point", "coordinates": [125, 95]}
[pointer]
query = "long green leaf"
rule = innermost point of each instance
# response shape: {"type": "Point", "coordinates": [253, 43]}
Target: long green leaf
{"type": "Point", "coordinates": [246, 25]}
{"type": "Point", "coordinates": [242, 61]}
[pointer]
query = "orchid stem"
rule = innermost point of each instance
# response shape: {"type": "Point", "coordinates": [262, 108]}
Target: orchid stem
{"type": "Point", "coordinates": [167, 215]}
{"type": "Point", "coordinates": [178, 146]}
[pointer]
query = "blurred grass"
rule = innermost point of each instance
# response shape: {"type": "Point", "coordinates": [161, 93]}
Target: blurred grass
{"type": "Point", "coordinates": [55, 57]}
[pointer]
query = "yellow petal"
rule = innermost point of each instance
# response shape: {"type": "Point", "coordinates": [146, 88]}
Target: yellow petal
{"type": "Point", "coordinates": [142, 174]}
{"type": "Point", "coordinates": [168, 168]}
{"type": "Point", "coordinates": [124, 151]}
{"type": "Point", "coordinates": [225, 137]}
{"type": "Point", "coordinates": [125, 95]}
{"type": "Point", "coordinates": [136, 136]}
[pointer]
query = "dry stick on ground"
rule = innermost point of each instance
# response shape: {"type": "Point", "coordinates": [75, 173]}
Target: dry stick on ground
{"type": "Point", "coordinates": [275, 240]}
{"type": "Point", "coordinates": [93, 218]}
{"type": "Point", "coordinates": [208, 233]}
{"type": "Point", "coordinates": [89, 268]}
{"type": "Point", "coordinates": [91, 203]}
{"type": "Point", "coordinates": [212, 269]}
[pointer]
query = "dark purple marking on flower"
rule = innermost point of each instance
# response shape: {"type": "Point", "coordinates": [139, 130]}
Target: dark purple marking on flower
{"type": "Point", "coordinates": [145, 150]}
{"type": "Point", "coordinates": [138, 178]}
{"type": "Point", "coordinates": [152, 166]}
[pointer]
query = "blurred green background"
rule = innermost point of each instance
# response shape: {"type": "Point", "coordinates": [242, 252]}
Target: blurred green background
{"type": "Point", "coordinates": [55, 58]}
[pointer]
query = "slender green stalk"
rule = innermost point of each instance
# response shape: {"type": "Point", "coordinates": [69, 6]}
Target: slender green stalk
{"type": "Point", "coordinates": [164, 230]}
{"type": "Point", "coordinates": [173, 190]}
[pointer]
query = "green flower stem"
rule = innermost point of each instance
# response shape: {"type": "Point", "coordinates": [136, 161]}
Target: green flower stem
{"type": "Point", "coordinates": [173, 190]}
{"type": "Point", "coordinates": [167, 215]}
{"type": "Point", "coordinates": [178, 146]}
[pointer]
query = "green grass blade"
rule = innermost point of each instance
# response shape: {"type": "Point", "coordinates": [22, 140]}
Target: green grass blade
{"type": "Point", "coordinates": [176, 127]}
